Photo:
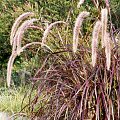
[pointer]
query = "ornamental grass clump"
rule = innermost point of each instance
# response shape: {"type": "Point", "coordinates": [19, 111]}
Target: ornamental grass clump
{"type": "Point", "coordinates": [67, 86]}
{"type": "Point", "coordinates": [71, 89]}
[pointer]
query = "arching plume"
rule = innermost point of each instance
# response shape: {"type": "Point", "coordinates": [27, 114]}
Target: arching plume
{"type": "Point", "coordinates": [21, 30]}
{"type": "Point", "coordinates": [17, 23]}
{"type": "Point", "coordinates": [77, 28]}
{"type": "Point", "coordinates": [46, 32]}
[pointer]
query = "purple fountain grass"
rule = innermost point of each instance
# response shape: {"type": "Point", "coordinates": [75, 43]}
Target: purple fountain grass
{"type": "Point", "coordinates": [95, 36]}
{"type": "Point", "coordinates": [87, 100]}
{"type": "Point", "coordinates": [16, 37]}
{"type": "Point", "coordinates": [104, 19]}
{"type": "Point", "coordinates": [77, 28]}
{"type": "Point", "coordinates": [17, 23]}
{"type": "Point", "coordinates": [46, 32]}
{"type": "Point", "coordinates": [72, 88]}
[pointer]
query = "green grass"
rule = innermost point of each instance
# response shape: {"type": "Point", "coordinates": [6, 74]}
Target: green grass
{"type": "Point", "coordinates": [11, 99]}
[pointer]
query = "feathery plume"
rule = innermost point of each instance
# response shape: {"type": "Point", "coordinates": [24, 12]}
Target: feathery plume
{"type": "Point", "coordinates": [16, 24]}
{"type": "Point", "coordinates": [14, 45]}
{"type": "Point", "coordinates": [9, 67]}
{"type": "Point", "coordinates": [104, 19]}
{"type": "Point", "coordinates": [95, 36]}
{"type": "Point", "coordinates": [46, 32]}
{"type": "Point", "coordinates": [80, 3]}
{"type": "Point", "coordinates": [108, 50]}
{"type": "Point", "coordinates": [77, 27]}
{"type": "Point", "coordinates": [21, 30]}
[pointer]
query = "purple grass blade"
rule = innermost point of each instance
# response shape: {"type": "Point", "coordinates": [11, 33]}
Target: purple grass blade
{"type": "Point", "coordinates": [84, 92]}
{"type": "Point", "coordinates": [104, 102]}
{"type": "Point", "coordinates": [111, 79]}
{"type": "Point", "coordinates": [97, 108]}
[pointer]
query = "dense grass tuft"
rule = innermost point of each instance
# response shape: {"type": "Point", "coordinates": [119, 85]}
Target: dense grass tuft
{"type": "Point", "coordinates": [68, 86]}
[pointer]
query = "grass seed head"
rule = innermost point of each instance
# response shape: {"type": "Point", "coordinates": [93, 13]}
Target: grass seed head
{"type": "Point", "coordinates": [108, 50]}
{"type": "Point", "coordinates": [46, 32]}
{"type": "Point", "coordinates": [77, 28]}
{"type": "Point", "coordinates": [104, 19]}
{"type": "Point", "coordinates": [9, 67]}
{"type": "Point", "coordinates": [21, 30]}
{"type": "Point", "coordinates": [95, 36]}
{"type": "Point", "coordinates": [17, 23]}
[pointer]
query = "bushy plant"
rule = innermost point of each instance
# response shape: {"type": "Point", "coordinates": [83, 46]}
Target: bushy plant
{"type": "Point", "coordinates": [68, 85]}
